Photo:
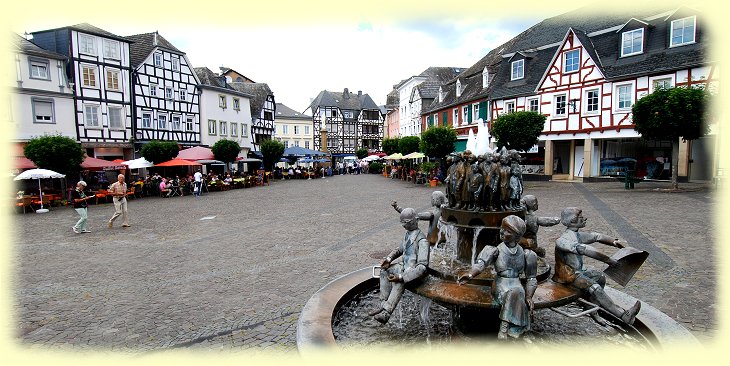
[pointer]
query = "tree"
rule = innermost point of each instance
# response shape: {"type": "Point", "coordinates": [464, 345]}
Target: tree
{"type": "Point", "coordinates": [438, 141]}
{"type": "Point", "coordinates": [272, 151]}
{"type": "Point", "coordinates": [671, 114]}
{"type": "Point", "coordinates": [226, 151]}
{"type": "Point", "coordinates": [159, 151]}
{"type": "Point", "coordinates": [518, 130]}
{"type": "Point", "coordinates": [390, 145]}
{"type": "Point", "coordinates": [408, 144]}
{"type": "Point", "coordinates": [361, 152]}
{"type": "Point", "coordinates": [55, 152]}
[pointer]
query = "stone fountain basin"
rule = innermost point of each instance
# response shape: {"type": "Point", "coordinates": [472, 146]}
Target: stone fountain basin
{"type": "Point", "coordinates": [314, 327]}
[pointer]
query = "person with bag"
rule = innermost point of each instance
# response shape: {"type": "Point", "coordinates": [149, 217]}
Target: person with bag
{"type": "Point", "coordinates": [118, 190]}
{"type": "Point", "coordinates": [78, 201]}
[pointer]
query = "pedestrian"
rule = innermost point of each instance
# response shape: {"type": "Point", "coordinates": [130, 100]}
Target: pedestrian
{"type": "Point", "coordinates": [78, 200]}
{"type": "Point", "coordinates": [198, 183]}
{"type": "Point", "coordinates": [118, 190]}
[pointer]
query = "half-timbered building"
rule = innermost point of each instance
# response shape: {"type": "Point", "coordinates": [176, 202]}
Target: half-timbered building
{"type": "Point", "coordinates": [352, 121]}
{"type": "Point", "coordinates": [584, 73]}
{"type": "Point", "coordinates": [166, 102]}
{"type": "Point", "coordinates": [263, 111]}
{"type": "Point", "coordinates": [100, 74]}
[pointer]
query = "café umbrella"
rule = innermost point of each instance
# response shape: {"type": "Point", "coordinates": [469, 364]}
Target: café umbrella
{"type": "Point", "coordinates": [39, 174]}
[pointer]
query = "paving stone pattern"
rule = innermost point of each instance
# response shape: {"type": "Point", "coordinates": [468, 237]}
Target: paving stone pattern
{"type": "Point", "coordinates": [237, 282]}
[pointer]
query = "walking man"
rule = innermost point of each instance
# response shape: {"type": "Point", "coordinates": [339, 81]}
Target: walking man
{"type": "Point", "coordinates": [198, 183]}
{"type": "Point", "coordinates": [118, 190]}
{"type": "Point", "coordinates": [78, 200]}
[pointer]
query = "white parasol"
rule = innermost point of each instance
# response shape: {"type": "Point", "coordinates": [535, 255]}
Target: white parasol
{"type": "Point", "coordinates": [39, 174]}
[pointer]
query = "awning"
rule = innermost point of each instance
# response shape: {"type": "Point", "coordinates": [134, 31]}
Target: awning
{"type": "Point", "coordinates": [301, 151]}
{"type": "Point", "coordinates": [21, 162]}
{"type": "Point", "coordinates": [179, 162]}
{"type": "Point", "coordinates": [138, 163]}
{"type": "Point", "coordinates": [396, 156]}
{"type": "Point", "coordinates": [196, 153]}
{"type": "Point", "coordinates": [414, 155]}
{"type": "Point", "coordinates": [210, 161]}
{"type": "Point", "coordinates": [90, 163]}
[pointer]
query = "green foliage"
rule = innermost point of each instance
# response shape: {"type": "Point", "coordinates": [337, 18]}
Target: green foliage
{"type": "Point", "coordinates": [226, 150]}
{"type": "Point", "coordinates": [159, 151]}
{"type": "Point", "coordinates": [272, 151]}
{"type": "Point", "coordinates": [409, 144]}
{"type": "Point", "coordinates": [670, 114]}
{"type": "Point", "coordinates": [390, 145]}
{"type": "Point", "coordinates": [427, 167]}
{"type": "Point", "coordinates": [518, 130]}
{"type": "Point", "coordinates": [55, 152]}
{"type": "Point", "coordinates": [438, 141]}
{"type": "Point", "coordinates": [361, 152]}
{"type": "Point", "coordinates": [375, 167]}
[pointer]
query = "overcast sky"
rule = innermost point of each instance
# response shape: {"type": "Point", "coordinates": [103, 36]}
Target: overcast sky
{"type": "Point", "coordinates": [302, 48]}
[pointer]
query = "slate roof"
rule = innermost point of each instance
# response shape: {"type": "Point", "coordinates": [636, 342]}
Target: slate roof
{"type": "Point", "coordinates": [145, 43]}
{"type": "Point", "coordinates": [335, 99]}
{"type": "Point", "coordinates": [603, 48]}
{"type": "Point", "coordinates": [286, 112]}
{"type": "Point", "coordinates": [258, 91]}
{"type": "Point", "coordinates": [90, 29]}
{"type": "Point", "coordinates": [29, 48]}
{"type": "Point", "coordinates": [209, 79]}
{"type": "Point", "coordinates": [392, 100]}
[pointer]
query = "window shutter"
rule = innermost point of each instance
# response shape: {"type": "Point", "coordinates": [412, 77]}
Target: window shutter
{"type": "Point", "coordinates": [469, 112]}
{"type": "Point", "coordinates": [483, 110]}
{"type": "Point", "coordinates": [445, 118]}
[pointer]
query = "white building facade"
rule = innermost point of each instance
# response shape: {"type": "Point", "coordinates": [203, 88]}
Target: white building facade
{"type": "Point", "coordinates": [293, 128]}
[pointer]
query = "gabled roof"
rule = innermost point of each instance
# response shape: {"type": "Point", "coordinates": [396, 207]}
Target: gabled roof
{"type": "Point", "coordinates": [29, 48]}
{"type": "Point", "coordinates": [226, 70]}
{"type": "Point", "coordinates": [90, 29]}
{"type": "Point", "coordinates": [211, 80]}
{"type": "Point", "coordinates": [145, 43]}
{"type": "Point", "coordinates": [630, 21]}
{"type": "Point", "coordinates": [259, 91]}
{"type": "Point", "coordinates": [439, 74]}
{"type": "Point", "coordinates": [584, 41]}
{"type": "Point", "coordinates": [393, 99]}
{"type": "Point", "coordinates": [334, 99]}
{"type": "Point", "coordinates": [286, 112]}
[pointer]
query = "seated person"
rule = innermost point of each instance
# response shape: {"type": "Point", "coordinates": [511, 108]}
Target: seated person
{"type": "Point", "coordinates": [165, 187]}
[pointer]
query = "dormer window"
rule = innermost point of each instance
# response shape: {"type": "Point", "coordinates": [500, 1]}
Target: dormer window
{"type": "Point", "coordinates": [571, 61]}
{"type": "Point", "coordinates": [632, 42]}
{"type": "Point", "coordinates": [485, 78]}
{"type": "Point", "coordinates": [87, 44]}
{"type": "Point", "coordinates": [458, 88]}
{"type": "Point", "coordinates": [518, 69]}
{"type": "Point", "coordinates": [441, 95]}
{"type": "Point", "coordinates": [682, 31]}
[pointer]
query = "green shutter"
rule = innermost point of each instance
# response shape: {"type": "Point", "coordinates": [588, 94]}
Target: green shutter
{"type": "Point", "coordinates": [446, 118]}
{"type": "Point", "coordinates": [459, 145]}
{"type": "Point", "coordinates": [483, 110]}
{"type": "Point", "coordinates": [469, 112]}
{"type": "Point", "coordinates": [430, 121]}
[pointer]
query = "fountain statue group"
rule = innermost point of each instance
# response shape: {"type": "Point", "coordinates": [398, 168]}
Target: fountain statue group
{"type": "Point", "coordinates": [483, 185]}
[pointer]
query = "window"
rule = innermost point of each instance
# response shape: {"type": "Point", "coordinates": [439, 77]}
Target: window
{"type": "Point", "coordinates": [456, 117]}
{"type": "Point", "coordinates": [664, 83]}
{"type": "Point", "coordinates": [115, 118]}
{"type": "Point", "coordinates": [347, 114]}
{"type": "Point", "coordinates": [88, 76]}
{"type": "Point", "coordinates": [296, 143]}
{"type": "Point", "coordinates": [485, 78]}
{"type": "Point", "coordinates": [211, 127]}
{"type": "Point", "coordinates": [682, 31]}
{"type": "Point", "coordinates": [112, 79]}
{"type": "Point", "coordinates": [560, 105]}
{"type": "Point", "coordinates": [234, 129]}
{"type": "Point", "coordinates": [43, 110]}
{"type": "Point", "coordinates": [296, 130]}
{"type": "Point", "coordinates": [509, 107]}
{"type": "Point", "coordinates": [189, 123]}
{"type": "Point", "coordinates": [306, 130]}
{"type": "Point", "coordinates": [286, 144]}
{"type": "Point", "coordinates": [223, 130]}
{"type": "Point", "coordinates": [465, 114]}
{"type": "Point", "coordinates": [87, 44]}
{"type": "Point", "coordinates": [222, 101]}
{"type": "Point", "coordinates": [175, 64]}
{"type": "Point", "coordinates": [39, 69]}
{"type": "Point", "coordinates": [162, 122]}
{"type": "Point", "coordinates": [111, 49]}
{"type": "Point", "coordinates": [91, 115]}
{"type": "Point", "coordinates": [592, 101]}
{"type": "Point", "coordinates": [146, 120]}
{"type": "Point", "coordinates": [475, 111]}
{"type": "Point", "coordinates": [236, 104]}
{"type": "Point", "coordinates": [571, 61]}
{"type": "Point", "coordinates": [176, 123]}
{"type": "Point", "coordinates": [244, 130]}
{"type": "Point", "coordinates": [533, 105]}
{"type": "Point", "coordinates": [153, 90]}
{"type": "Point", "coordinates": [306, 144]}
{"type": "Point", "coordinates": [183, 95]}
{"type": "Point", "coordinates": [632, 42]}
{"type": "Point", "coordinates": [158, 59]}
{"type": "Point", "coordinates": [168, 92]}
{"type": "Point", "coordinates": [285, 129]}
{"type": "Point", "coordinates": [269, 116]}
{"type": "Point", "coordinates": [624, 96]}
{"type": "Point", "coordinates": [458, 88]}
{"type": "Point", "coordinates": [436, 119]}
{"type": "Point", "coordinates": [518, 69]}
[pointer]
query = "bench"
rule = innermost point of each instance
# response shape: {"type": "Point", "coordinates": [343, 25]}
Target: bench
{"type": "Point", "coordinates": [629, 178]}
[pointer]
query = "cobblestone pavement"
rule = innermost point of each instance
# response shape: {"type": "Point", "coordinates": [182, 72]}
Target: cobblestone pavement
{"type": "Point", "coordinates": [231, 271]}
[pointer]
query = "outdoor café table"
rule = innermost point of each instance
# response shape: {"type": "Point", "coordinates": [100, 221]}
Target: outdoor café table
{"type": "Point", "coordinates": [175, 191]}
{"type": "Point", "coordinates": [239, 182]}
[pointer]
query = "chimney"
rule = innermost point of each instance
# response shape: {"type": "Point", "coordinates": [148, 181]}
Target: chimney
{"type": "Point", "coordinates": [359, 93]}
{"type": "Point", "coordinates": [346, 94]}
